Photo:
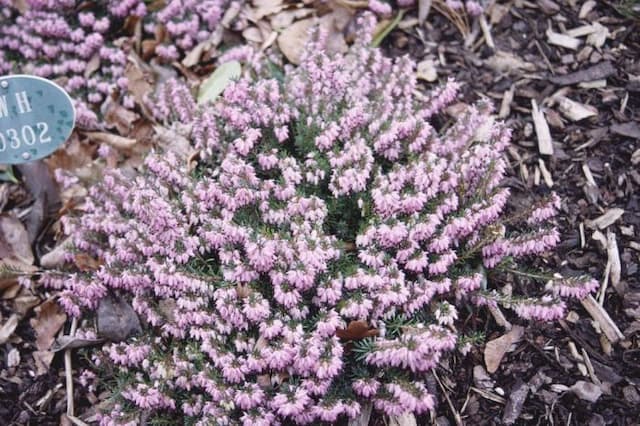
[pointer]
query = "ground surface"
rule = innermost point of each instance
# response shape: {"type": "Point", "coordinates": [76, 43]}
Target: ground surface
{"type": "Point", "coordinates": [578, 371]}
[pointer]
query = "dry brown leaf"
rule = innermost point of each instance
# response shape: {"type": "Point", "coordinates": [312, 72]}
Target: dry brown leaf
{"type": "Point", "coordinates": [356, 330]}
{"type": "Point", "coordinates": [252, 34]}
{"type": "Point", "coordinates": [118, 142]}
{"type": "Point", "coordinates": [14, 240]}
{"type": "Point", "coordinates": [8, 328]}
{"type": "Point", "coordinates": [139, 83]}
{"type": "Point", "coordinates": [86, 263]}
{"type": "Point", "coordinates": [25, 301]}
{"type": "Point", "coordinates": [497, 348]}
{"type": "Point", "coordinates": [55, 257]}
{"type": "Point", "coordinates": [47, 322]}
{"type": "Point", "coordinates": [120, 117]}
{"type": "Point", "coordinates": [293, 39]}
{"type": "Point", "coordinates": [266, 7]}
{"type": "Point", "coordinates": [43, 361]}
{"type": "Point", "coordinates": [92, 66]}
{"type": "Point", "coordinates": [172, 140]}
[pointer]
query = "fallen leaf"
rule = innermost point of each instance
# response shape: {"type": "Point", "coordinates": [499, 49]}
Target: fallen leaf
{"type": "Point", "coordinates": [121, 118]}
{"type": "Point", "coordinates": [496, 349]}
{"type": "Point", "coordinates": [586, 390]}
{"type": "Point", "coordinates": [292, 41]}
{"type": "Point", "coordinates": [116, 141]}
{"type": "Point", "coordinates": [56, 256]}
{"type": "Point", "coordinates": [86, 263]}
{"type": "Point", "coordinates": [116, 319]}
{"type": "Point", "coordinates": [294, 38]}
{"type": "Point", "coordinates": [14, 240]}
{"type": "Point", "coordinates": [43, 361]}
{"type": "Point", "coordinates": [8, 328]}
{"type": "Point", "coordinates": [47, 322]}
{"type": "Point", "coordinates": [25, 301]}
{"type": "Point", "coordinates": [356, 330]}
{"type": "Point", "coordinates": [173, 140]}
{"type": "Point", "coordinates": [215, 84]}
{"type": "Point", "coordinates": [40, 183]}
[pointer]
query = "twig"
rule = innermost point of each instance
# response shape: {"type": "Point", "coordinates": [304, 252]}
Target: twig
{"type": "Point", "coordinates": [68, 371]}
{"type": "Point", "coordinates": [455, 413]}
{"type": "Point", "coordinates": [76, 421]}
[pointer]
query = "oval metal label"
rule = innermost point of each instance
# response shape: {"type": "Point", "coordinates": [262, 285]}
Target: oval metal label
{"type": "Point", "coordinates": [36, 117]}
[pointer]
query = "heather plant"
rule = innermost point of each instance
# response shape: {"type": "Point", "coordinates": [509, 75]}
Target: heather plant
{"type": "Point", "coordinates": [78, 44]}
{"type": "Point", "coordinates": [316, 257]}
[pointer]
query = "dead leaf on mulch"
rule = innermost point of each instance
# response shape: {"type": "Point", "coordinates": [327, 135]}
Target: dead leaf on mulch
{"type": "Point", "coordinates": [39, 181]}
{"type": "Point", "coordinates": [8, 328]}
{"type": "Point", "coordinates": [14, 240]}
{"type": "Point", "coordinates": [43, 361]}
{"type": "Point", "coordinates": [116, 141]}
{"type": "Point", "coordinates": [356, 330]}
{"type": "Point", "coordinates": [496, 349]}
{"type": "Point", "coordinates": [293, 40]}
{"type": "Point", "coordinates": [47, 322]}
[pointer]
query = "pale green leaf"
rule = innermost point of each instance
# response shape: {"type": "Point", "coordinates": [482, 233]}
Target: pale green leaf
{"type": "Point", "coordinates": [213, 86]}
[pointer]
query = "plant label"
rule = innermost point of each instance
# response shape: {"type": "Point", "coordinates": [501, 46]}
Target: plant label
{"type": "Point", "coordinates": [36, 117]}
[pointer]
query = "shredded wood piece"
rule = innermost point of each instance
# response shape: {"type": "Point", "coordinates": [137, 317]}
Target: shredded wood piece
{"type": "Point", "coordinates": [545, 146]}
{"type": "Point", "coordinates": [563, 40]}
{"type": "Point", "coordinates": [607, 219]}
{"type": "Point", "coordinates": [601, 316]}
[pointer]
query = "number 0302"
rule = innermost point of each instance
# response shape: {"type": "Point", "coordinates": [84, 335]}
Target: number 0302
{"type": "Point", "coordinates": [15, 138]}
